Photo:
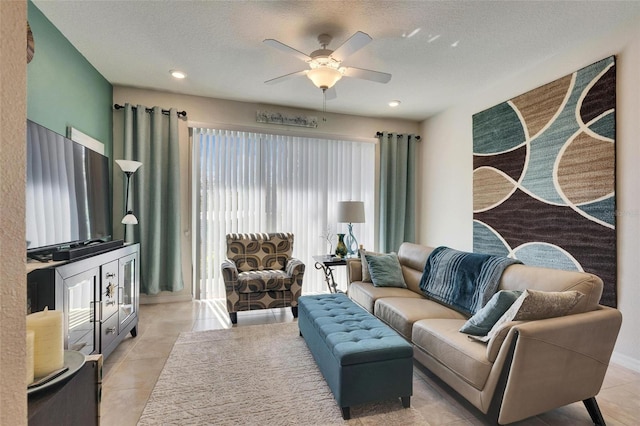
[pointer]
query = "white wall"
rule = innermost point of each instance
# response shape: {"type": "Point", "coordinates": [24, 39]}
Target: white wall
{"type": "Point", "coordinates": [228, 114]}
{"type": "Point", "coordinates": [445, 201]}
{"type": "Point", "coordinates": [13, 277]}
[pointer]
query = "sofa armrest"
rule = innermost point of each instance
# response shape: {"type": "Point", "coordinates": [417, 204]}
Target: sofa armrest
{"type": "Point", "coordinates": [295, 268]}
{"type": "Point", "coordinates": [354, 270]}
{"type": "Point", "coordinates": [558, 361]}
{"type": "Point", "coordinates": [230, 278]}
{"type": "Point", "coordinates": [229, 271]}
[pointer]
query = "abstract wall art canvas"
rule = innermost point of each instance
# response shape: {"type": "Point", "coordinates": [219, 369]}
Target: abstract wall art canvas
{"type": "Point", "coordinates": [544, 172]}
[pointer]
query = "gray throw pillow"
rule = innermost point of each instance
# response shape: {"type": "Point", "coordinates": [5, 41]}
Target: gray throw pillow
{"type": "Point", "coordinates": [366, 276]}
{"type": "Point", "coordinates": [385, 270]}
{"type": "Point", "coordinates": [489, 314]}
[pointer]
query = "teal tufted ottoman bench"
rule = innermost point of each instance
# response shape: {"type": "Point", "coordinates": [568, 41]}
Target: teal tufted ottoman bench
{"type": "Point", "coordinates": [361, 358]}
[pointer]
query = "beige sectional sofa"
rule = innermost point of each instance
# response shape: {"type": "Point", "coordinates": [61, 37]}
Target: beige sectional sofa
{"type": "Point", "coordinates": [528, 367]}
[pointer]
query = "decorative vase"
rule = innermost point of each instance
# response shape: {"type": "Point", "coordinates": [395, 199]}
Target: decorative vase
{"type": "Point", "coordinates": [341, 248]}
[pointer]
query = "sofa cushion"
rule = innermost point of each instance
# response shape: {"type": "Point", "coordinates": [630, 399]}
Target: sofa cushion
{"type": "Point", "coordinates": [400, 313]}
{"type": "Point", "coordinates": [522, 277]}
{"type": "Point", "coordinates": [466, 358]}
{"type": "Point", "coordinates": [365, 294]}
{"type": "Point", "coordinates": [483, 320]}
{"type": "Point", "coordinates": [385, 270]}
{"type": "Point", "coordinates": [261, 281]}
{"type": "Point", "coordinates": [413, 257]}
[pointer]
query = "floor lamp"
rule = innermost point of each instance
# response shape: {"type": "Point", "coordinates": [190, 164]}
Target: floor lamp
{"type": "Point", "coordinates": [351, 212]}
{"type": "Point", "coordinates": [129, 167]}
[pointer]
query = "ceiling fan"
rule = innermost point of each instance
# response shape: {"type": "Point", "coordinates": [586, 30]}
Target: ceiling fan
{"type": "Point", "coordinates": [325, 65]}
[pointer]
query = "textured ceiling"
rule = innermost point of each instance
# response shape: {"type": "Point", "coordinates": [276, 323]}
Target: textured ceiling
{"type": "Point", "coordinates": [219, 45]}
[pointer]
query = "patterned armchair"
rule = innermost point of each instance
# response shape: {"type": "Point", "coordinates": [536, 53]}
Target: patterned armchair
{"type": "Point", "coordinates": [259, 273]}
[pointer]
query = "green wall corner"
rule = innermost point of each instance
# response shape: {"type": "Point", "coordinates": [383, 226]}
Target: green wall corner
{"type": "Point", "coordinates": [63, 88]}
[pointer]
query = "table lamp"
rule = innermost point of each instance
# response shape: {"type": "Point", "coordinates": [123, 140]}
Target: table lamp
{"type": "Point", "coordinates": [351, 212]}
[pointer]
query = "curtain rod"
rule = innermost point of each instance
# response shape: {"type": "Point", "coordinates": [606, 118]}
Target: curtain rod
{"type": "Point", "coordinates": [164, 111]}
{"type": "Point", "coordinates": [378, 134]}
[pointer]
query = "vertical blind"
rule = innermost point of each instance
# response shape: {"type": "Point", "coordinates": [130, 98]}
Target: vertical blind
{"type": "Point", "coordinates": [251, 182]}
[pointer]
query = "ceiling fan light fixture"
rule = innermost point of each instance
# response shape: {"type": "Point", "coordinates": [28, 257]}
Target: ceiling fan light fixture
{"type": "Point", "coordinates": [324, 77]}
{"type": "Point", "coordinates": [177, 74]}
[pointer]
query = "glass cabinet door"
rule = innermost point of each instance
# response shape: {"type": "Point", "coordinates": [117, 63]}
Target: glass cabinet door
{"type": "Point", "coordinates": [127, 289]}
{"type": "Point", "coordinates": [79, 292]}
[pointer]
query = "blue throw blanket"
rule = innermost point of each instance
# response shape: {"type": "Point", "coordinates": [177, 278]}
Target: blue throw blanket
{"type": "Point", "coordinates": [461, 280]}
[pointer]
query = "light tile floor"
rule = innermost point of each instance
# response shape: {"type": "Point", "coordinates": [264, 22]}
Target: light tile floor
{"type": "Point", "coordinates": [131, 371]}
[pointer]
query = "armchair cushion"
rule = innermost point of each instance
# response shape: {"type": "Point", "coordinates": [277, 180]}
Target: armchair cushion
{"type": "Point", "coordinates": [257, 252]}
{"type": "Point", "coordinates": [261, 281]}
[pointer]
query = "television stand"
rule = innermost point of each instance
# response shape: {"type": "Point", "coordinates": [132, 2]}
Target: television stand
{"type": "Point", "coordinates": [105, 291]}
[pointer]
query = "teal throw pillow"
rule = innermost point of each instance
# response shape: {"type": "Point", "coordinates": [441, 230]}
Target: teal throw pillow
{"type": "Point", "coordinates": [385, 270]}
{"type": "Point", "coordinates": [489, 314]}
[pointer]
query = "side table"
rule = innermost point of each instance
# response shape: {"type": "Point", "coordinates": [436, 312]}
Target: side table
{"type": "Point", "coordinates": [75, 401]}
{"type": "Point", "coordinates": [325, 263]}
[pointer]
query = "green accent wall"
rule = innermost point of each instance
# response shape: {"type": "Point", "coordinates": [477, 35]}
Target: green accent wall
{"type": "Point", "coordinates": [63, 88]}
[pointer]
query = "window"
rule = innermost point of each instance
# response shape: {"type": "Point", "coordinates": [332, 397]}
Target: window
{"type": "Point", "coordinates": [250, 182]}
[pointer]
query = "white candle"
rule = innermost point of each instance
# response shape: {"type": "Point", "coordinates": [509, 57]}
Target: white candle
{"type": "Point", "coordinates": [30, 343]}
{"type": "Point", "coordinates": [48, 348]}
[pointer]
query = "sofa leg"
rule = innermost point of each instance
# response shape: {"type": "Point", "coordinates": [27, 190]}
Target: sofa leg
{"type": "Point", "coordinates": [346, 413]}
{"type": "Point", "coordinates": [406, 401]}
{"type": "Point", "coordinates": [234, 317]}
{"type": "Point", "coordinates": [594, 411]}
{"type": "Point", "coordinates": [294, 311]}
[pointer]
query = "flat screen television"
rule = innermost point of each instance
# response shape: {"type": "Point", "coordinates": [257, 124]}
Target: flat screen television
{"type": "Point", "coordinates": [67, 195]}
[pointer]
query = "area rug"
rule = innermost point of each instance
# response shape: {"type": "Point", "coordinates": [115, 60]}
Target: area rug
{"type": "Point", "coordinates": [253, 375]}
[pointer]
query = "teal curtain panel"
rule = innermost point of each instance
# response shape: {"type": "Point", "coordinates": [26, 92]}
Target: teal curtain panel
{"type": "Point", "coordinates": [397, 190]}
{"type": "Point", "coordinates": [152, 138]}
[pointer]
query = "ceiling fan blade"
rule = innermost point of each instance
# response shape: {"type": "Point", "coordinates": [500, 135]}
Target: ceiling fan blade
{"type": "Point", "coordinates": [355, 43]}
{"type": "Point", "coordinates": [286, 49]}
{"type": "Point", "coordinates": [377, 76]}
{"type": "Point", "coordinates": [286, 77]}
{"type": "Point", "coordinates": [330, 93]}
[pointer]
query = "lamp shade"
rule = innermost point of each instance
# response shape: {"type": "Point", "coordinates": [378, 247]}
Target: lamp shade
{"type": "Point", "coordinates": [351, 211]}
{"type": "Point", "coordinates": [129, 166]}
{"type": "Point", "coordinates": [129, 219]}
{"type": "Point", "coordinates": [324, 77]}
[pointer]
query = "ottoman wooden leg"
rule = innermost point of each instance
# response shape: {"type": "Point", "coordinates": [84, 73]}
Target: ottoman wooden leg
{"type": "Point", "coordinates": [346, 413]}
{"type": "Point", "coordinates": [406, 401]}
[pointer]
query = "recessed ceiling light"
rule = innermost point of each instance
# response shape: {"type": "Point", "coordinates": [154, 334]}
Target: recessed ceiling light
{"type": "Point", "coordinates": [177, 74]}
{"type": "Point", "coordinates": [394, 104]}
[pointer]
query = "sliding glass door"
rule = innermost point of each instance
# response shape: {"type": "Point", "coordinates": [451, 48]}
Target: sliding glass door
{"type": "Point", "coordinates": [250, 182]}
